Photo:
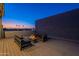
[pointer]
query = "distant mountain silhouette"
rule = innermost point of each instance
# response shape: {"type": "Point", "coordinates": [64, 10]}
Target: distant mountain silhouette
{"type": "Point", "coordinates": [5, 29]}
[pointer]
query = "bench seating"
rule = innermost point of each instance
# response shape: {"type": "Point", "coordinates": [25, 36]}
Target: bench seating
{"type": "Point", "coordinates": [21, 42]}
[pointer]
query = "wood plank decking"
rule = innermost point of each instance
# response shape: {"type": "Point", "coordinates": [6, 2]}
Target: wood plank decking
{"type": "Point", "coordinates": [52, 47]}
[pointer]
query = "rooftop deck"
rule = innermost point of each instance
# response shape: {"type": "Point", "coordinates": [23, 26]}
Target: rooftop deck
{"type": "Point", "coordinates": [50, 48]}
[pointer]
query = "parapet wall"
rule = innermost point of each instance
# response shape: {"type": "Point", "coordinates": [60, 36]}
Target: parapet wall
{"type": "Point", "coordinates": [11, 34]}
{"type": "Point", "coordinates": [65, 25]}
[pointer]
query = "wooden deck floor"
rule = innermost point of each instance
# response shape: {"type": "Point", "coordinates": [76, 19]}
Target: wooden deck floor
{"type": "Point", "coordinates": [52, 47]}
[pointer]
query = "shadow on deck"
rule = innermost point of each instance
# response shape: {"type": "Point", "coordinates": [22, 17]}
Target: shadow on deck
{"type": "Point", "coordinates": [50, 48]}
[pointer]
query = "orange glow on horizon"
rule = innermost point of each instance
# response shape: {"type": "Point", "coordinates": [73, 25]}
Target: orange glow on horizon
{"type": "Point", "coordinates": [14, 24]}
{"type": "Point", "coordinates": [17, 26]}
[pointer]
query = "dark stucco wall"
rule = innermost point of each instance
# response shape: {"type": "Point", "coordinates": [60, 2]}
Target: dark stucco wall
{"type": "Point", "coordinates": [64, 25]}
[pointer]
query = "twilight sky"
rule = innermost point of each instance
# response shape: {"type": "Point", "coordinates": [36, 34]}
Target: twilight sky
{"type": "Point", "coordinates": [26, 14]}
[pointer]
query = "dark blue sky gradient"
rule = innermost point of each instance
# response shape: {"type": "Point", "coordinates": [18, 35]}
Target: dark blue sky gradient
{"type": "Point", "coordinates": [25, 14]}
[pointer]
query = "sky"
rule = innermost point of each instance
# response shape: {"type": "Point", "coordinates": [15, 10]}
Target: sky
{"type": "Point", "coordinates": [24, 15]}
